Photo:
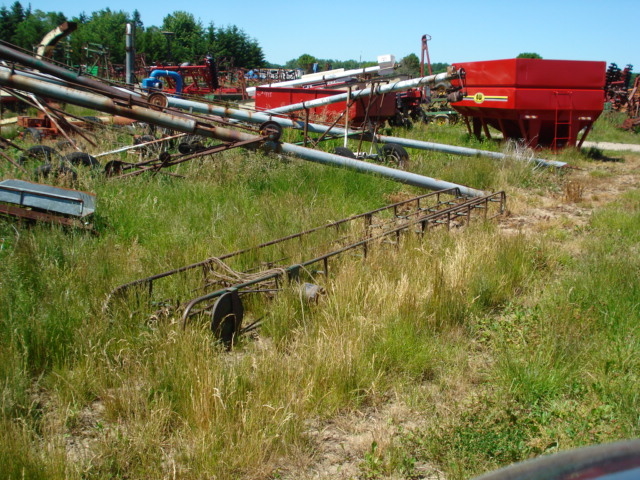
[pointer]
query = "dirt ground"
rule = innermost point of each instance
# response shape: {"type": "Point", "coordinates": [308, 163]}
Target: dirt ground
{"type": "Point", "coordinates": [342, 444]}
{"type": "Point", "coordinates": [584, 190]}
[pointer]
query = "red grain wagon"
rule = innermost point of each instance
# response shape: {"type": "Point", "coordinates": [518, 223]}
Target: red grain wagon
{"type": "Point", "coordinates": [546, 103]}
{"type": "Point", "coordinates": [376, 109]}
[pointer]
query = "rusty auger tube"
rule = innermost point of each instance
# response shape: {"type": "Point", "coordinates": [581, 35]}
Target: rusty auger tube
{"type": "Point", "coordinates": [108, 105]}
{"type": "Point", "coordinates": [185, 124]}
{"type": "Point", "coordinates": [12, 55]}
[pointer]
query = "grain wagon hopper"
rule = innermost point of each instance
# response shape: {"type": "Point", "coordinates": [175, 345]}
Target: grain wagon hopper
{"type": "Point", "coordinates": [546, 103]}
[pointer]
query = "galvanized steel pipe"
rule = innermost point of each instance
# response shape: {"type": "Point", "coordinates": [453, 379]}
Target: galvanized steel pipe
{"type": "Point", "coordinates": [261, 117]}
{"type": "Point", "coordinates": [365, 92]}
{"type": "Point", "coordinates": [188, 125]}
{"type": "Point", "coordinates": [398, 175]}
{"type": "Point", "coordinates": [317, 78]}
{"type": "Point", "coordinates": [130, 56]}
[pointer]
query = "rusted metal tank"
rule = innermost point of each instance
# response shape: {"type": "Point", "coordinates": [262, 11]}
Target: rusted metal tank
{"type": "Point", "coordinates": [546, 103]}
{"type": "Point", "coordinates": [379, 107]}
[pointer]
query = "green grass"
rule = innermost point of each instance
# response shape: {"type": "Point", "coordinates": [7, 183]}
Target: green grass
{"type": "Point", "coordinates": [564, 369]}
{"type": "Point", "coordinates": [531, 348]}
{"type": "Point", "coordinates": [607, 129]}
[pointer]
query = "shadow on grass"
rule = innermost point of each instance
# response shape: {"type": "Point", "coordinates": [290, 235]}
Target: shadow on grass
{"type": "Point", "coordinates": [594, 153]}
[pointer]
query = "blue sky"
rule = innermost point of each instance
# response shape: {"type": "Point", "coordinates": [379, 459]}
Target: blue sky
{"type": "Point", "coordinates": [461, 30]}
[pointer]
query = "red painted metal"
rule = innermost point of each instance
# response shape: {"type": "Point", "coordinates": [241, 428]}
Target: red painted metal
{"type": "Point", "coordinates": [547, 103]}
{"type": "Point", "coordinates": [205, 79]}
{"type": "Point", "coordinates": [380, 107]}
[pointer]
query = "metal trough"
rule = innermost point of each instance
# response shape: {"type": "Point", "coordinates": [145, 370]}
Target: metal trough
{"type": "Point", "coordinates": [64, 201]}
{"type": "Point", "coordinates": [36, 201]}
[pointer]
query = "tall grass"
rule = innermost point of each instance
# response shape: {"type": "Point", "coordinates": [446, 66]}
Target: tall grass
{"type": "Point", "coordinates": [472, 318]}
{"type": "Point", "coordinates": [564, 361]}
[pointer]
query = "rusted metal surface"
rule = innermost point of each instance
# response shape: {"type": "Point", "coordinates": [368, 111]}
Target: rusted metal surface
{"type": "Point", "coordinates": [35, 215]}
{"type": "Point", "coordinates": [41, 202]}
{"type": "Point", "coordinates": [117, 169]}
{"type": "Point", "coordinates": [617, 84]}
{"type": "Point", "coordinates": [138, 109]}
{"type": "Point", "coordinates": [142, 111]}
{"type": "Point", "coordinates": [264, 267]}
{"type": "Point", "coordinates": [49, 41]}
{"type": "Point", "coordinates": [632, 122]}
{"type": "Point", "coordinates": [12, 55]}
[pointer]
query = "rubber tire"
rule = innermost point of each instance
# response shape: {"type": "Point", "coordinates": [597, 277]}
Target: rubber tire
{"type": "Point", "coordinates": [146, 150]}
{"type": "Point", "coordinates": [394, 153]}
{"type": "Point", "coordinates": [82, 158]}
{"type": "Point", "coordinates": [143, 139]}
{"type": "Point", "coordinates": [42, 152]}
{"type": "Point", "coordinates": [344, 152]}
{"type": "Point", "coordinates": [113, 168]}
{"type": "Point", "coordinates": [187, 148]}
{"type": "Point", "coordinates": [63, 144]}
{"type": "Point", "coordinates": [397, 120]}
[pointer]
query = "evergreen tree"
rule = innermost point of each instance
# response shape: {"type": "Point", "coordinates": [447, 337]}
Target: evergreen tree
{"type": "Point", "coordinates": [185, 39]}
{"type": "Point", "coordinates": [10, 19]}
{"type": "Point", "coordinates": [103, 32]}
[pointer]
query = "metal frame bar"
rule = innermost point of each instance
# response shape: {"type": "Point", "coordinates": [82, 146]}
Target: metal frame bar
{"type": "Point", "coordinates": [447, 207]}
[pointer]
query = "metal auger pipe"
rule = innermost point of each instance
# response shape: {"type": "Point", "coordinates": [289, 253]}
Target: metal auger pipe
{"type": "Point", "coordinates": [12, 55]}
{"type": "Point", "coordinates": [15, 80]}
{"type": "Point", "coordinates": [105, 104]}
{"type": "Point", "coordinates": [469, 152]}
{"type": "Point", "coordinates": [261, 117]}
{"type": "Point", "coordinates": [398, 175]}
{"type": "Point", "coordinates": [317, 78]}
{"type": "Point", "coordinates": [366, 92]}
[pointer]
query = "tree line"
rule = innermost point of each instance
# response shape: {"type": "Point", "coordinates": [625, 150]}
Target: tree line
{"type": "Point", "coordinates": [408, 66]}
{"type": "Point", "coordinates": [181, 38]}
{"type": "Point", "coordinates": [100, 37]}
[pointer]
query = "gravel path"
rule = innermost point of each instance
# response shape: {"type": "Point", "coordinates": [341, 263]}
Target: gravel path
{"type": "Point", "coordinates": [632, 147]}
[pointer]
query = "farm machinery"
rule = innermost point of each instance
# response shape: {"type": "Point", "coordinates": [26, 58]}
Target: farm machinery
{"type": "Point", "coordinates": [201, 80]}
{"type": "Point", "coordinates": [208, 80]}
{"type": "Point", "coordinates": [622, 96]}
{"type": "Point", "coordinates": [545, 103]}
{"type": "Point", "coordinates": [66, 86]}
